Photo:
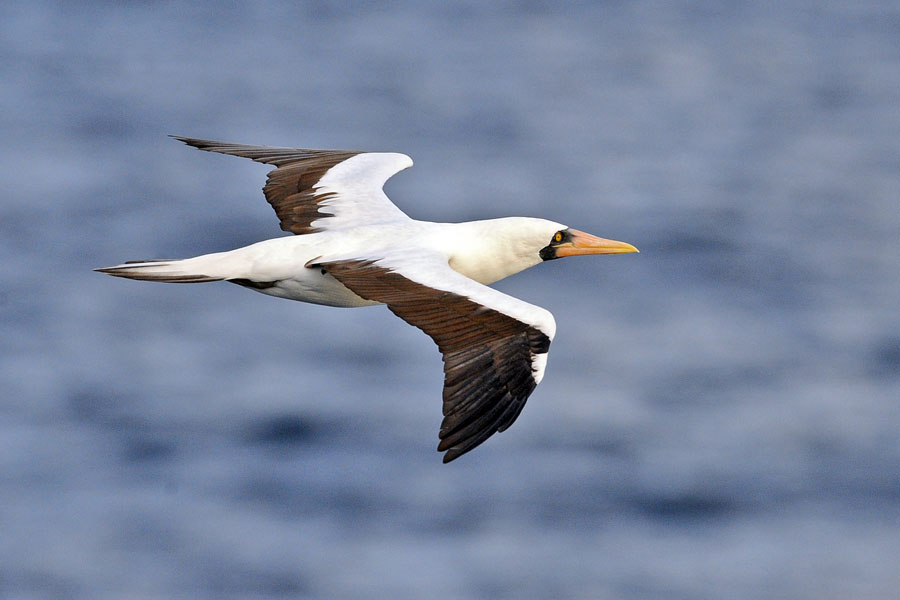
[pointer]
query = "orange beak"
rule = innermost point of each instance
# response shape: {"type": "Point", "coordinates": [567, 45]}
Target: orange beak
{"type": "Point", "coordinates": [585, 243]}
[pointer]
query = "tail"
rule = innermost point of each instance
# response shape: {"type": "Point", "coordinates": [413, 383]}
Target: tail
{"type": "Point", "coordinates": [168, 271]}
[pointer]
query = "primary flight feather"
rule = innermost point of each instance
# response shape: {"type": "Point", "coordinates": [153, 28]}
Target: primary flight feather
{"type": "Point", "coordinates": [354, 247]}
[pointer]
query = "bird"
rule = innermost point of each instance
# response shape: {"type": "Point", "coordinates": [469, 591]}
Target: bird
{"type": "Point", "coordinates": [353, 247]}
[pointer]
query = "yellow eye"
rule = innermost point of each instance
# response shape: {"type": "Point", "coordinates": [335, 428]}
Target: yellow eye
{"type": "Point", "coordinates": [557, 237]}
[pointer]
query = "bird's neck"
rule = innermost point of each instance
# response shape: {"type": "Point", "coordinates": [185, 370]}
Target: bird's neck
{"type": "Point", "coordinates": [488, 251]}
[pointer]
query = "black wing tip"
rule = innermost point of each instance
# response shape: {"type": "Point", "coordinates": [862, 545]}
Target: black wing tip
{"type": "Point", "coordinates": [473, 431]}
{"type": "Point", "coordinates": [456, 448]}
{"type": "Point", "coordinates": [464, 446]}
{"type": "Point", "coordinates": [201, 144]}
{"type": "Point", "coordinates": [270, 155]}
{"type": "Point", "coordinates": [452, 454]}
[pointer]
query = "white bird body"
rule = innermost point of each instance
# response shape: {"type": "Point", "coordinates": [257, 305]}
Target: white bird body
{"type": "Point", "coordinates": [355, 248]}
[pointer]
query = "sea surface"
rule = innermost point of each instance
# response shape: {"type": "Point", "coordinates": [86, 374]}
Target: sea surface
{"type": "Point", "coordinates": [721, 413]}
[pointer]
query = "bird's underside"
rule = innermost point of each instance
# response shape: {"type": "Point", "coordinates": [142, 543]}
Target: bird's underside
{"type": "Point", "coordinates": [355, 247]}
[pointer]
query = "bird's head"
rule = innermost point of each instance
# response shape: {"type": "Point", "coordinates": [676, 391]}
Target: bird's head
{"type": "Point", "coordinates": [488, 251]}
{"type": "Point", "coordinates": [566, 241]}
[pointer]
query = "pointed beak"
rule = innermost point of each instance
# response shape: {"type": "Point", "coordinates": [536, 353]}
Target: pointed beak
{"type": "Point", "coordinates": [585, 243]}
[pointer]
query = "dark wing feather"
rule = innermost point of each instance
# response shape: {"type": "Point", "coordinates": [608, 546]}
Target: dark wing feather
{"type": "Point", "coordinates": [488, 355]}
{"type": "Point", "coordinates": [289, 187]}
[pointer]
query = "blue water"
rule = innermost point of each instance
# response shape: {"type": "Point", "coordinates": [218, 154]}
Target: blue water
{"type": "Point", "coordinates": [721, 413]}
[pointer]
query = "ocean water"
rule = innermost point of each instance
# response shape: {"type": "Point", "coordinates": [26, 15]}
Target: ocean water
{"type": "Point", "coordinates": [721, 413]}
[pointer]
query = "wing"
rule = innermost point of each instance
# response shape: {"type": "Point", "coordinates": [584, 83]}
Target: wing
{"type": "Point", "coordinates": [314, 190]}
{"type": "Point", "coordinates": [494, 346]}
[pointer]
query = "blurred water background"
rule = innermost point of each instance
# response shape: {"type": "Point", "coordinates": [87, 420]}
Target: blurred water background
{"type": "Point", "coordinates": [720, 415]}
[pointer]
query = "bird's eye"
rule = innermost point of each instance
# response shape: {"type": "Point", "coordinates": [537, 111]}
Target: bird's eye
{"type": "Point", "coordinates": [558, 237]}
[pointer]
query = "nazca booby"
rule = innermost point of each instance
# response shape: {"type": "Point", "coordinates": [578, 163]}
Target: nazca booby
{"type": "Point", "coordinates": [356, 248]}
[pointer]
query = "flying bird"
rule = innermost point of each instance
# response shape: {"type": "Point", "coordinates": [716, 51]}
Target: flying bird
{"type": "Point", "coordinates": [354, 247]}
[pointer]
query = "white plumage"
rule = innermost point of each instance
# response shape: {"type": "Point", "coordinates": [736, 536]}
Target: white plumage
{"type": "Point", "coordinates": [356, 248]}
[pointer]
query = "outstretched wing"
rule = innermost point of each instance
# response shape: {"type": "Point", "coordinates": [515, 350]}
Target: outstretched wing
{"type": "Point", "coordinates": [314, 190]}
{"type": "Point", "coordinates": [494, 346]}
